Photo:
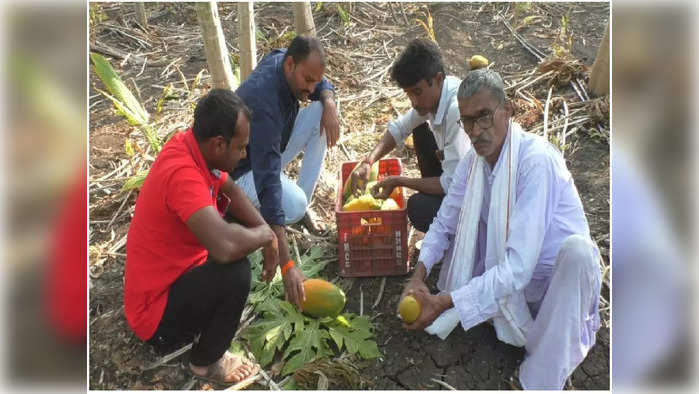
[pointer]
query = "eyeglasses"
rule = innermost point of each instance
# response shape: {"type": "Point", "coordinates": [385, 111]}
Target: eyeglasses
{"type": "Point", "coordinates": [484, 121]}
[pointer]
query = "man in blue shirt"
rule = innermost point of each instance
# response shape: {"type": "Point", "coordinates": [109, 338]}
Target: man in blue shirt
{"type": "Point", "coordinates": [279, 131]}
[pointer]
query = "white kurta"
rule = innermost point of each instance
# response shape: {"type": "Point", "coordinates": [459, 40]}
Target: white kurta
{"type": "Point", "coordinates": [450, 137]}
{"type": "Point", "coordinates": [547, 212]}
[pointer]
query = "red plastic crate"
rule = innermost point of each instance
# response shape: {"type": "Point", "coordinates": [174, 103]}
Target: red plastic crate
{"type": "Point", "coordinates": [372, 243]}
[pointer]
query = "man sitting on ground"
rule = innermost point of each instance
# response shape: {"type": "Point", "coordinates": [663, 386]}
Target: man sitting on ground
{"type": "Point", "coordinates": [515, 244]}
{"type": "Point", "coordinates": [279, 132]}
{"type": "Point", "coordinates": [187, 276]}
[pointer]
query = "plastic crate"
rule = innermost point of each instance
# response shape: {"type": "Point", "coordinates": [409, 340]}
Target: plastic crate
{"type": "Point", "coordinates": [372, 243]}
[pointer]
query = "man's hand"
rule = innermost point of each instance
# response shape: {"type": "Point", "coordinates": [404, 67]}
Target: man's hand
{"type": "Point", "coordinates": [412, 286]}
{"type": "Point", "coordinates": [415, 283]}
{"type": "Point", "coordinates": [360, 176]}
{"type": "Point", "coordinates": [270, 255]}
{"type": "Point", "coordinates": [293, 287]}
{"type": "Point", "coordinates": [431, 306]}
{"type": "Point", "coordinates": [330, 123]}
{"type": "Point", "coordinates": [383, 189]}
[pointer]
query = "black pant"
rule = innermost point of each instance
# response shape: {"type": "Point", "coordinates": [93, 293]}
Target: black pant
{"type": "Point", "coordinates": [422, 208]}
{"type": "Point", "coordinates": [207, 300]}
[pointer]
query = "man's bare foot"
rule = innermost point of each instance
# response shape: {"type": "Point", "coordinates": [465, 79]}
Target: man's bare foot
{"type": "Point", "coordinates": [228, 369]}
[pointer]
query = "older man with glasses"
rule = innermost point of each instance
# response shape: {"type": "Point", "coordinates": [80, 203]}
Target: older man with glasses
{"type": "Point", "coordinates": [515, 244]}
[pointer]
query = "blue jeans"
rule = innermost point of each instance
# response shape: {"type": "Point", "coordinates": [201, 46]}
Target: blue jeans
{"type": "Point", "coordinates": [305, 137]}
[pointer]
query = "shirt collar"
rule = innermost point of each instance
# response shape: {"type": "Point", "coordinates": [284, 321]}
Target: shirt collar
{"type": "Point", "coordinates": [443, 102]}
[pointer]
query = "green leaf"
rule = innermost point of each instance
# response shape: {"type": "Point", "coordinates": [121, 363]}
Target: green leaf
{"type": "Point", "coordinates": [118, 90]}
{"type": "Point", "coordinates": [237, 348]}
{"type": "Point", "coordinates": [318, 7]}
{"type": "Point", "coordinates": [311, 264]}
{"type": "Point", "coordinates": [343, 14]}
{"type": "Point", "coordinates": [271, 333]}
{"type": "Point", "coordinates": [306, 347]}
{"type": "Point", "coordinates": [290, 384]}
{"type": "Point", "coordinates": [356, 338]}
{"type": "Point", "coordinates": [260, 34]}
{"type": "Point", "coordinates": [135, 182]}
{"type": "Point", "coordinates": [167, 92]}
{"type": "Point", "coordinates": [128, 148]}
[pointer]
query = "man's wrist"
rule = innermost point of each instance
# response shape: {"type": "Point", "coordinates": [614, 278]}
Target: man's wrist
{"type": "Point", "coordinates": [420, 272]}
{"type": "Point", "coordinates": [445, 301]}
{"type": "Point", "coordinates": [327, 96]}
{"type": "Point", "coordinates": [399, 180]}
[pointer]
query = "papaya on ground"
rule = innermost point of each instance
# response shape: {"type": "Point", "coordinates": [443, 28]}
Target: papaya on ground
{"type": "Point", "coordinates": [323, 299]}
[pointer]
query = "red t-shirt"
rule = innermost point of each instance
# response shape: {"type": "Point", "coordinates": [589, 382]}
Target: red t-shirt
{"type": "Point", "coordinates": [160, 247]}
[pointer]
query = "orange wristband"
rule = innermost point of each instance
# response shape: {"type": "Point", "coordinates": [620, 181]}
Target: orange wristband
{"type": "Point", "coordinates": [287, 266]}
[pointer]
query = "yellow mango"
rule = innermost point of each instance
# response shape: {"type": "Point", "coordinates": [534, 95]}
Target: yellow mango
{"type": "Point", "coordinates": [478, 61]}
{"type": "Point", "coordinates": [409, 309]}
{"type": "Point", "coordinates": [362, 203]}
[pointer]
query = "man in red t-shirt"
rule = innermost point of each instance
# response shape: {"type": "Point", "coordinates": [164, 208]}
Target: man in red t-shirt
{"type": "Point", "coordinates": [187, 276]}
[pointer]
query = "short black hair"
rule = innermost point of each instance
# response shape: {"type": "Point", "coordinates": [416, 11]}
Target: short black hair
{"type": "Point", "coordinates": [302, 46]}
{"type": "Point", "coordinates": [421, 59]}
{"type": "Point", "coordinates": [217, 114]}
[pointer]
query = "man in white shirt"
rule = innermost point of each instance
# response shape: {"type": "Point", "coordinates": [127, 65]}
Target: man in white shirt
{"type": "Point", "coordinates": [439, 141]}
{"type": "Point", "coordinates": [516, 245]}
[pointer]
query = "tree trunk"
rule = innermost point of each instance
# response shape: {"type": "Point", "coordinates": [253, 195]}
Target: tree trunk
{"type": "Point", "coordinates": [141, 18]}
{"type": "Point", "coordinates": [304, 19]}
{"type": "Point", "coordinates": [599, 75]}
{"type": "Point", "coordinates": [246, 40]}
{"type": "Point", "coordinates": [215, 46]}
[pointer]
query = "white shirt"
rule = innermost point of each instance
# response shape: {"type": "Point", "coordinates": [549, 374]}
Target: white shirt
{"type": "Point", "coordinates": [547, 210]}
{"type": "Point", "coordinates": [450, 137]}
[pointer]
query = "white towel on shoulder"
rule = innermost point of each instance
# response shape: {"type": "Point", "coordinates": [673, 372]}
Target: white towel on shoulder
{"type": "Point", "coordinates": [515, 319]}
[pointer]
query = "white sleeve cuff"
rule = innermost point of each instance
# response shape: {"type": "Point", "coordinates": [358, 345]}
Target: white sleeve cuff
{"type": "Point", "coordinates": [466, 304]}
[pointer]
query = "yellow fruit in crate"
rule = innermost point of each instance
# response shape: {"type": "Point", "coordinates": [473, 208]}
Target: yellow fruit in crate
{"type": "Point", "coordinates": [347, 187]}
{"type": "Point", "coordinates": [351, 198]}
{"type": "Point", "coordinates": [389, 205]}
{"type": "Point", "coordinates": [362, 203]}
{"type": "Point", "coordinates": [409, 309]}
{"type": "Point", "coordinates": [374, 173]}
{"type": "Point", "coordinates": [478, 61]}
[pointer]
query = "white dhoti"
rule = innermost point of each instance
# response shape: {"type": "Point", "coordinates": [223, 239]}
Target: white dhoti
{"type": "Point", "coordinates": [565, 326]}
{"type": "Point", "coordinates": [512, 259]}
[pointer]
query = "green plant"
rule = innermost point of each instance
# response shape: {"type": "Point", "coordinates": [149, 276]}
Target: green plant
{"type": "Point", "coordinates": [298, 339]}
{"type": "Point", "coordinates": [564, 39]}
{"type": "Point", "coordinates": [97, 15]}
{"type": "Point", "coordinates": [126, 105]}
{"type": "Point", "coordinates": [124, 101]}
{"type": "Point", "coordinates": [344, 15]}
